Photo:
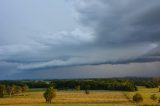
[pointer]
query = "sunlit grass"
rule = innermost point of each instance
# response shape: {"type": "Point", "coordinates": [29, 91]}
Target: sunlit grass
{"type": "Point", "coordinates": [146, 93]}
{"type": "Point", "coordinates": [70, 98]}
{"type": "Point", "coordinates": [78, 98]}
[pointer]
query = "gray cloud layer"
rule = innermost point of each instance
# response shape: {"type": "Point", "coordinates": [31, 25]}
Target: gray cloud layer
{"type": "Point", "coordinates": [121, 22]}
{"type": "Point", "coordinates": [110, 32]}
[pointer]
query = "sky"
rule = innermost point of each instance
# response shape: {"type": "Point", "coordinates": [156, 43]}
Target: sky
{"type": "Point", "coordinates": [57, 39]}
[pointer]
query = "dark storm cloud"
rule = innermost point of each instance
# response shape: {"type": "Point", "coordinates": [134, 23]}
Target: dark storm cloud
{"type": "Point", "coordinates": [122, 22]}
{"type": "Point", "coordinates": [38, 67]}
{"type": "Point", "coordinates": [137, 60]}
{"type": "Point", "coordinates": [109, 32]}
{"type": "Point", "coordinates": [94, 71]}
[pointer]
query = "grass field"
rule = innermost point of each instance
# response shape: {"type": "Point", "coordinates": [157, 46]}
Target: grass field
{"type": "Point", "coordinates": [146, 93]}
{"type": "Point", "coordinates": [78, 98]}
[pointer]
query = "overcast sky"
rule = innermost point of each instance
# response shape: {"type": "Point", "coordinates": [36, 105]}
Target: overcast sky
{"type": "Point", "coordinates": [79, 38]}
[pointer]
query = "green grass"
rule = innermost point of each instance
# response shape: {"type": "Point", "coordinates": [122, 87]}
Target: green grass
{"type": "Point", "coordinates": [37, 90]}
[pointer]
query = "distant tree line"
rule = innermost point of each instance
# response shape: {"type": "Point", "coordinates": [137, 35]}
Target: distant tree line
{"type": "Point", "coordinates": [147, 82]}
{"type": "Point", "coordinates": [124, 84]}
{"type": "Point", "coordinates": [29, 83]}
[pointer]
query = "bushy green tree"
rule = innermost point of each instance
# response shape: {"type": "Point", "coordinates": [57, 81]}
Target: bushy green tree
{"type": "Point", "coordinates": [137, 98]}
{"type": "Point", "coordinates": [49, 94]}
{"type": "Point", "coordinates": [2, 91]}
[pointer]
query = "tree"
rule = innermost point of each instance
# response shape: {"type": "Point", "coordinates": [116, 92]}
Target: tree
{"type": "Point", "coordinates": [154, 97]}
{"type": "Point", "coordinates": [24, 88]}
{"type": "Point", "coordinates": [2, 91]}
{"type": "Point", "coordinates": [87, 92]}
{"type": "Point", "coordinates": [137, 98]}
{"type": "Point", "coordinates": [78, 87]}
{"type": "Point", "coordinates": [49, 94]}
{"type": "Point", "coordinates": [18, 89]}
{"type": "Point", "coordinates": [11, 90]}
{"type": "Point", "coordinates": [87, 89]}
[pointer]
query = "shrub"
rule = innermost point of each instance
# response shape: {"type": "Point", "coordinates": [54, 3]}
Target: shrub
{"type": "Point", "coordinates": [137, 98]}
{"type": "Point", "coordinates": [154, 97]}
{"type": "Point", "coordinates": [87, 92]}
{"type": "Point", "coordinates": [49, 94]}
